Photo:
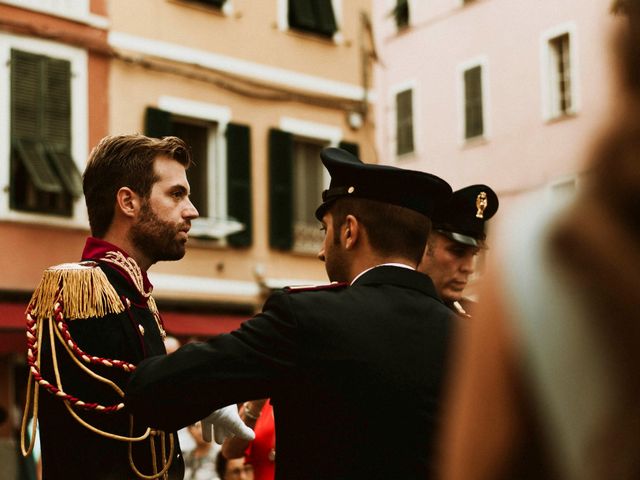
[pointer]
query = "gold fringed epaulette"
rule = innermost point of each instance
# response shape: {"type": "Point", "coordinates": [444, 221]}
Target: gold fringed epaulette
{"type": "Point", "coordinates": [83, 287]}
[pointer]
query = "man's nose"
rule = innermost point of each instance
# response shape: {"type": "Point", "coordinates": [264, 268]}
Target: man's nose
{"type": "Point", "coordinates": [191, 211]}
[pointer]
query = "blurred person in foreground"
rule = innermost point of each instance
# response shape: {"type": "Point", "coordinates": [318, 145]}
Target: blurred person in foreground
{"type": "Point", "coordinates": [91, 322]}
{"type": "Point", "coordinates": [457, 237]}
{"type": "Point", "coordinates": [546, 383]}
{"type": "Point", "coordinates": [351, 367]}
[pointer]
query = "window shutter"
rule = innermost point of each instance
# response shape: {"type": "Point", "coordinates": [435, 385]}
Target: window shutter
{"type": "Point", "coordinates": [325, 18]}
{"type": "Point", "coordinates": [157, 123]}
{"type": "Point", "coordinates": [404, 122]}
{"type": "Point", "coordinates": [239, 182]}
{"type": "Point", "coordinates": [351, 148]}
{"type": "Point", "coordinates": [26, 89]}
{"type": "Point", "coordinates": [57, 123]}
{"type": "Point", "coordinates": [473, 102]}
{"type": "Point", "coordinates": [26, 121]}
{"type": "Point", "coordinates": [301, 14]}
{"type": "Point", "coordinates": [281, 189]}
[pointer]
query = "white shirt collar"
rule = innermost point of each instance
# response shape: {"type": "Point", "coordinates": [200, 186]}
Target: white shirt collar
{"type": "Point", "coordinates": [401, 265]}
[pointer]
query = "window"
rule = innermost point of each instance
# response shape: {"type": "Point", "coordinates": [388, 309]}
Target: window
{"type": "Point", "coordinates": [404, 122]}
{"type": "Point", "coordinates": [560, 84]}
{"type": "Point", "coordinates": [473, 111]}
{"type": "Point", "coordinates": [296, 181]}
{"type": "Point", "coordinates": [401, 13]}
{"type": "Point", "coordinates": [308, 184]}
{"type": "Point", "coordinates": [313, 16]}
{"type": "Point", "coordinates": [43, 175]}
{"type": "Point", "coordinates": [220, 176]}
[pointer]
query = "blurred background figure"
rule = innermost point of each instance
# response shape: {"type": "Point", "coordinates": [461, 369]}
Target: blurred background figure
{"type": "Point", "coordinates": [200, 462]}
{"type": "Point", "coordinates": [261, 452]}
{"type": "Point", "coordinates": [233, 469]}
{"type": "Point", "coordinates": [546, 383]}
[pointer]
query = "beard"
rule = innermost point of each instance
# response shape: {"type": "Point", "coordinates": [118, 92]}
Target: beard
{"type": "Point", "coordinates": [156, 238]}
{"type": "Point", "coordinates": [336, 263]}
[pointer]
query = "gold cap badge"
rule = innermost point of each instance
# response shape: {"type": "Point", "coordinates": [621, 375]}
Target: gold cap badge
{"type": "Point", "coordinates": [481, 204]}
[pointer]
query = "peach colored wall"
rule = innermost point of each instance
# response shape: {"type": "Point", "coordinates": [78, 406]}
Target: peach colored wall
{"type": "Point", "coordinates": [248, 34]}
{"type": "Point", "coordinates": [522, 151]}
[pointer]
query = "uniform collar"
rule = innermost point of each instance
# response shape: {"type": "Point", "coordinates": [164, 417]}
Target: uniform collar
{"type": "Point", "coordinates": [400, 275]}
{"type": "Point", "coordinates": [401, 265]}
{"type": "Point", "coordinates": [97, 249]}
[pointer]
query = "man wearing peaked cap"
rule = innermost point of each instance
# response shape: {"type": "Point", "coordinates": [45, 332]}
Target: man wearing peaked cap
{"type": "Point", "coordinates": [354, 369]}
{"type": "Point", "coordinates": [458, 235]}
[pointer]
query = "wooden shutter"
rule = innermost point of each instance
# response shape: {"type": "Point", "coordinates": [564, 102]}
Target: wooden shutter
{"type": "Point", "coordinates": [325, 18]}
{"type": "Point", "coordinates": [281, 189]}
{"type": "Point", "coordinates": [301, 14]}
{"type": "Point", "coordinates": [27, 88]}
{"type": "Point", "coordinates": [404, 122]}
{"type": "Point", "coordinates": [473, 102]}
{"type": "Point", "coordinates": [57, 123]}
{"type": "Point", "coordinates": [239, 196]}
{"type": "Point", "coordinates": [351, 148]}
{"type": "Point", "coordinates": [157, 123]}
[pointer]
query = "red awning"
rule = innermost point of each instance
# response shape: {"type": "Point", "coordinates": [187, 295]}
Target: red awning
{"type": "Point", "coordinates": [180, 324]}
{"type": "Point", "coordinates": [200, 324]}
{"type": "Point", "coordinates": [12, 328]}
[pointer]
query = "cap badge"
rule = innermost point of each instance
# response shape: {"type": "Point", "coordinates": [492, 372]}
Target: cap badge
{"type": "Point", "coordinates": [481, 204]}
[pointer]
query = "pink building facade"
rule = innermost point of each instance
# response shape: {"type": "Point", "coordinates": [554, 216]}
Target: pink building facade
{"type": "Point", "coordinates": [510, 93]}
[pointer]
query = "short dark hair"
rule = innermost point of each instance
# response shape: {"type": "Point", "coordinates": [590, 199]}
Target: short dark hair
{"type": "Point", "coordinates": [392, 230]}
{"type": "Point", "coordinates": [124, 161]}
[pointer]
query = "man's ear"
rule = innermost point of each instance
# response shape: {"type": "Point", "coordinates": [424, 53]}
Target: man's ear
{"type": "Point", "coordinates": [128, 202]}
{"type": "Point", "coordinates": [351, 232]}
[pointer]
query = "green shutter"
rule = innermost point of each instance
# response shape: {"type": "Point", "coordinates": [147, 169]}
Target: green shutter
{"type": "Point", "coordinates": [325, 18]}
{"type": "Point", "coordinates": [57, 124]}
{"type": "Point", "coordinates": [301, 14]}
{"type": "Point", "coordinates": [280, 189]}
{"type": "Point", "coordinates": [157, 123]}
{"type": "Point", "coordinates": [473, 102]}
{"type": "Point", "coordinates": [26, 91]}
{"type": "Point", "coordinates": [351, 148]}
{"type": "Point", "coordinates": [239, 182]}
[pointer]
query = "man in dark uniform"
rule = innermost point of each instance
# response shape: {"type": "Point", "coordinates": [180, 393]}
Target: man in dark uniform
{"type": "Point", "coordinates": [354, 369]}
{"type": "Point", "coordinates": [457, 237]}
{"type": "Point", "coordinates": [104, 319]}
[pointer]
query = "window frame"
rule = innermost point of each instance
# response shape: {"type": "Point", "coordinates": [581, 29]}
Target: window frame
{"type": "Point", "coordinates": [78, 58]}
{"type": "Point", "coordinates": [217, 173]}
{"type": "Point", "coordinates": [304, 130]}
{"type": "Point", "coordinates": [481, 61]}
{"type": "Point", "coordinates": [283, 21]}
{"type": "Point", "coordinates": [550, 112]}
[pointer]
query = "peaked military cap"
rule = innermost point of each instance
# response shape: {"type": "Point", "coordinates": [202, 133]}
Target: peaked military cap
{"type": "Point", "coordinates": [462, 218]}
{"type": "Point", "coordinates": [350, 177]}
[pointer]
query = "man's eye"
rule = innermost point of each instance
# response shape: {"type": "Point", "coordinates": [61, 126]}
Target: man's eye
{"type": "Point", "coordinates": [323, 228]}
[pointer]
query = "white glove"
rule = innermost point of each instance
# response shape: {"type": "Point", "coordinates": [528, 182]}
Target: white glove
{"type": "Point", "coordinates": [225, 423]}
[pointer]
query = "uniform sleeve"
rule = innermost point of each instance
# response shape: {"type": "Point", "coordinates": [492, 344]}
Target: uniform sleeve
{"type": "Point", "coordinates": [255, 361]}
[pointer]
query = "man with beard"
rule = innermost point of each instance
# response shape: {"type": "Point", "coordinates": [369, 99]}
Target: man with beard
{"type": "Point", "coordinates": [353, 369]}
{"type": "Point", "coordinates": [90, 323]}
{"type": "Point", "coordinates": [457, 237]}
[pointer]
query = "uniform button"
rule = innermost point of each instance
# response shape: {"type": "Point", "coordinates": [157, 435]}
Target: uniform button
{"type": "Point", "coordinates": [141, 329]}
